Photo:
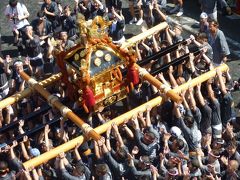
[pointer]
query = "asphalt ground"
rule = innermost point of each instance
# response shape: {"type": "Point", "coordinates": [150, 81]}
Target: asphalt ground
{"type": "Point", "coordinates": [230, 25]}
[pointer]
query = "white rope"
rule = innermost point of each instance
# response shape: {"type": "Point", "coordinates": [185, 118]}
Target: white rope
{"type": "Point", "coordinates": [51, 99]}
{"type": "Point", "coordinates": [32, 81]}
{"type": "Point", "coordinates": [64, 110]}
{"type": "Point", "coordinates": [86, 128]}
{"type": "Point", "coordinates": [142, 72]}
{"type": "Point", "coordinates": [165, 88]}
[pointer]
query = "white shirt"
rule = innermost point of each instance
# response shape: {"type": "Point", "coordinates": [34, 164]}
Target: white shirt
{"type": "Point", "coordinates": [19, 11]}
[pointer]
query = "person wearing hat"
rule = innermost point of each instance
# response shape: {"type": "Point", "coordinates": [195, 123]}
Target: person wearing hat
{"type": "Point", "coordinates": [210, 7]}
{"type": "Point", "coordinates": [203, 26]}
{"type": "Point", "coordinates": [18, 83]}
{"type": "Point", "coordinates": [211, 162]}
{"type": "Point", "coordinates": [64, 43]}
{"type": "Point", "coordinates": [17, 15]}
{"type": "Point", "coordinates": [34, 152]}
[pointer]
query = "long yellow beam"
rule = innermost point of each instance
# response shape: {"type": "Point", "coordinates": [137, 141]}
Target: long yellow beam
{"type": "Point", "coordinates": [143, 35]}
{"type": "Point", "coordinates": [199, 79]}
{"type": "Point", "coordinates": [100, 129]}
{"type": "Point", "coordinates": [18, 96]}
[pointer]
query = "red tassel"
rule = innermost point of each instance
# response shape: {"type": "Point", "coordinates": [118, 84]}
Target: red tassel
{"type": "Point", "coordinates": [88, 97]}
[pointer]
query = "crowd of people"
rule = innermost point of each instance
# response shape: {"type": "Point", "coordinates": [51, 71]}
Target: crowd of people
{"type": "Point", "coordinates": [195, 139]}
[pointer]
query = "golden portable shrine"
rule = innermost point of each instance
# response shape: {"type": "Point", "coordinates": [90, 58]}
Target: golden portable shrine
{"type": "Point", "coordinates": [92, 74]}
{"type": "Point", "coordinates": [95, 73]}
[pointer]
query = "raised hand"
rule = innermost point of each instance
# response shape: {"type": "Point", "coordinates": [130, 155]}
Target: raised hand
{"type": "Point", "coordinates": [62, 155]}
{"type": "Point", "coordinates": [135, 150]}
{"type": "Point", "coordinates": [14, 144]}
{"type": "Point", "coordinates": [25, 139]}
{"type": "Point", "coordinates": [101, 142]}
{"type": "Point", "coordinates": [21, 123]}
{"type": "Point", "coordinates": [46, 129]}
{"type": "Point", "coordinates": [115, 127]}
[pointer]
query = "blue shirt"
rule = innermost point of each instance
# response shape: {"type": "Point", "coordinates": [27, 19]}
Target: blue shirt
{"type": "Point", "coordinates": [219, 46]}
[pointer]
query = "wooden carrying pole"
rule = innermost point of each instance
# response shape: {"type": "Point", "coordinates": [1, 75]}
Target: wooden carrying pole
{"type": "Point", "coordinates": [174, 62]}
{"type": "Point", "coordinates": [100, 129]}
{"type": "Point", "coordinates": [199, 79]}
{"type": "Point", "coordinates": [161, 53]}
{"type": "Point", "coordinates": [145, 75]}
{"type": "Point", "coordinates": [18, 96]}
{"type": "Point", "coordinates": [65, 111]}
{"type": "Point", "coordinates": [143, 35]}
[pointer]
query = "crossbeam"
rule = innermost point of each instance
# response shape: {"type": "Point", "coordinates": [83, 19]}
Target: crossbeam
{"type": "Point", "coordinates": [100, 129]}
{"type": "Point", "coordinates": [27, 92]}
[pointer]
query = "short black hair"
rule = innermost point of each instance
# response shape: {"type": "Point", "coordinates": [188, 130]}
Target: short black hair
{"type": "Point", "coordinates": [213, 22]}
{"type": "Point", "coordinates": [3, 167]}
{"type": "Point", "coordinates": [195, 162]}
{"type": "Point", "coordinates": [40, 14]}
{"type": "Point", "coordinates": [189, 120]}
{"type": "Point", "coordinates": [80, 168]}
{"type": "Point", "coordinates": [13, 1]}
{"type": "Point", "coordinates": [232, 143]}
{"type": "Point", "coordinates": [180, 144]}
{"type": "Point", "coordinates": [122, 152]}
{"type": "Point", "coordinates": [67, 6]}
{"type": "Point", "coordinates": [101, 168]}
{"type": "Point", "coordinates": [202, 36]}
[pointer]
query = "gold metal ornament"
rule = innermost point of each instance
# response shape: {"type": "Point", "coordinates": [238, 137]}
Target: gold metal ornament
{"type": "Point", "coordinates": [82, 53]}
{"type": "Point", "coordinates": [99, 53]}
{"type": "Point", "coordinates": [107, 57]}
{"type": "Point", "coordinates": [76, 57]}
{"type": "Point", "coordinates": [97, 62]}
